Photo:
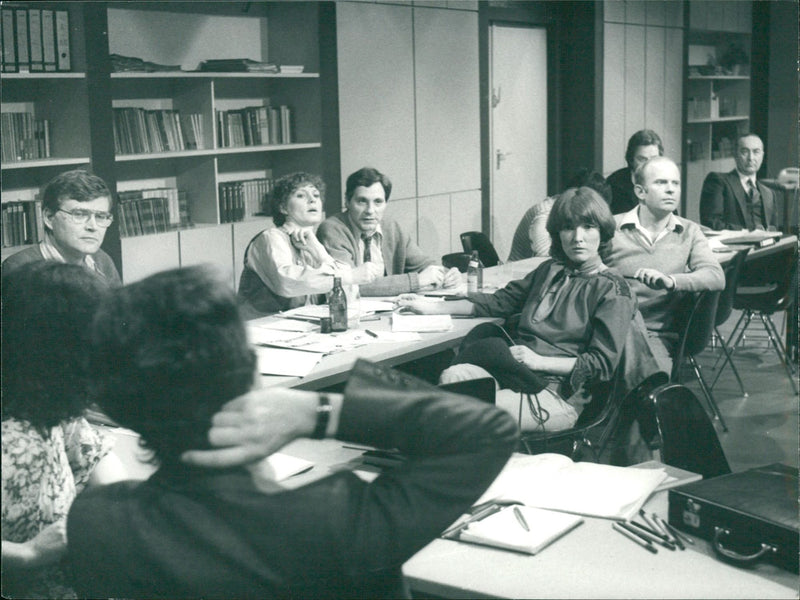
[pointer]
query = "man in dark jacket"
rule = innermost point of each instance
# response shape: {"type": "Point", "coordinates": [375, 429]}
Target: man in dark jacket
{"type": "Point", "coordinates": [736, 200]}
{"type": "Point", "coordinates": [171, 351]}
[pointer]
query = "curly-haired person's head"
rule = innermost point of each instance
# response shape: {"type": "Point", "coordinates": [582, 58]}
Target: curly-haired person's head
{"type": "Point", "coordinates": [168, 351]}
{"type": "Point", "coordinates": [287, 185]}
{"type": "Point", "coordinates": [47, 311]}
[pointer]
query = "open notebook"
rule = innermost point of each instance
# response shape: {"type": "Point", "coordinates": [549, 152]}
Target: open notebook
{"type": "Point", "coordinates": [505, 529]}
{"type": "Point", "coordinates": [555, 482]}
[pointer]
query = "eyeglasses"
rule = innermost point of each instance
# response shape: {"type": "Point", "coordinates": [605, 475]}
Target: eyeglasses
{"type": "Point", "coordinates": [79, 216]}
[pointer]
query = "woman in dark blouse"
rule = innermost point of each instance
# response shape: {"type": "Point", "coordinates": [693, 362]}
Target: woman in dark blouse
{"type": "Point", "coordinates": [575, 314]}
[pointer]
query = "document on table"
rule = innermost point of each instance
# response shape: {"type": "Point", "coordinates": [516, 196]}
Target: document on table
{"type": "Point", "coordinates": [276, 323]}
{"type": "Point", "coordinates": [520, 528]}
{"type": "Point", "coordinates": [555, 482]}
{"type": "Point", "coordinates": [282, 361]}
{"type": "Point", "coordinates": [325, 343]}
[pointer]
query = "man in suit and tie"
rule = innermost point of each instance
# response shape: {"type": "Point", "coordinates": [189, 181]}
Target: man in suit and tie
{"type": "Point", "coordinates": [736, 200]}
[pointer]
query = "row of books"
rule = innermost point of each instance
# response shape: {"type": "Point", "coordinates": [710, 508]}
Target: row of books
{"type": "Point", "coordinates": [254, 126]}
{"type": "Point", "coordinates": [22, 223]}
{"type": "Point", "coordinates": [155, 210]}
{"type": "Point", "coordinates": [24, 136]}
{"type": "Point", "coordinates": [239, 200]}
{"type": "Point", "coordinates": [35, 40]}
{"type": "Point", "coordinates": [141, 131]}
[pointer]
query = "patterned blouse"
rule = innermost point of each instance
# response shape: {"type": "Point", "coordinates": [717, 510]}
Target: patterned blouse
{"type": "Point", "coordinates": [41, 477]}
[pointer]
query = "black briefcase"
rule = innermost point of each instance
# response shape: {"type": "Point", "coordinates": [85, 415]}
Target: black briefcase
{"type": "Point", "coordinates": [748, 517]}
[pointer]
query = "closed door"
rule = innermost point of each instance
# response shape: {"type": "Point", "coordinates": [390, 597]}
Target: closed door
{"type": "Point", "coordinates": [518, 127]}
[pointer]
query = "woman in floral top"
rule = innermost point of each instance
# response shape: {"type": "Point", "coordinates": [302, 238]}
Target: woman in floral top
{"type": "Point", "coordinates": [50, 452]}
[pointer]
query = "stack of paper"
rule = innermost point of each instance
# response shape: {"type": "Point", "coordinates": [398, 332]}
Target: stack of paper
{"type": "Point", "coordinates": [504, 529]}
{"type": "Point", "coordinates": [555, 482]}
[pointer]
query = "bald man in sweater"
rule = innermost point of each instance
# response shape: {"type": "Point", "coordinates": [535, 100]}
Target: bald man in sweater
{"type": "Point", "coordinates": [663, 255]}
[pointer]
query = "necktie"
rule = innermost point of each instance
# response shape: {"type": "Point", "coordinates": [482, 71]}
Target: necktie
{"type": "Point", "coordinates": [367, 249]}
{"type": "Point", "coordinates": [754, 205]}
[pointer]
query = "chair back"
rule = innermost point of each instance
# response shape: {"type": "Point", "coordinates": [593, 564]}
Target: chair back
{"type": "Point", "coordinates": [686, 434]}
{"type": "Point", "coordinates": [483, 389]}
{"type": "Point", "coordinates": [459, 260]}
{"type": "Point", "coordinates": [698, 328]}
{"type": "Point", "coordinates": [766, 281]}
{"type": "Point", "coordinates": [477, 240]}
{"type": "Point", "coordinates": [733, 270]}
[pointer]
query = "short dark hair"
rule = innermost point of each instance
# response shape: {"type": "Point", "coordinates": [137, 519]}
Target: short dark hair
{"type": "Point", "coordinates": [285, 186]}
{"type": "Point", "coordinates": [78, 185]}
{"type": "Point", "coordinates": [643, 137]}
{"type": "Point", "coordinates": [47, 312]}
{"type": "Point", "coordinates": [168, 351]}
{"type": "Point", "coordinates": [593, 179]}
{"type": "Point", "coordinates": [579, 206]}
{"type": "Point", "coordinates": [365, 177]}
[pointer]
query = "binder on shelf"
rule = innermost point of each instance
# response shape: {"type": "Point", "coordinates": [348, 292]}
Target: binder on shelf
{"type": "Point", "coordinates": [63, 58]}
{"type": "Point", "coordinates": [10, 64]}
{"type": "Point", "coordinates": [35, 39]}
{"type": "Point", "coordinates": [23, 56]}
{"type": "Point", "coordinates": [48, 40]}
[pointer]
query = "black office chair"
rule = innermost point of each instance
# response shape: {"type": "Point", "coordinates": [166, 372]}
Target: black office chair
{"type": "Point", "coordinates": [459, 260]}
{"type": "Point", "coordinates": [483, 388]}
{"type": "Point", "coordinates": [733, 269]}
{"type": "Point", "coordinates": [767, 285]}
{"type": "Point", "coordinates": [687, 437]}
{"type": "Point", "coordinates": [476, 240]}
{"type": "Point", "coordinates": [696, 335]}
{"type": "Point", "coordinates": [595, 426]}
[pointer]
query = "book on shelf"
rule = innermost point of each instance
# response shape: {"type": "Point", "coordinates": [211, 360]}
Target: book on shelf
{"type": "Point", "coordinates": [24, 137]}
{"type": "Point", "coordinates": [237, 65]}
{"type": "Point", "coordinates": [35, 37]}
{"type": "Point", "coordinates": [49, 39]}
{"type": "Point", "coordinates": [241, 199]}
{"type": "Point", "coordinates": [10, 63]}
{"type": "Point", "coordinates": [152, 210]}
{"type": "Point", "coordinates": [291, 68]}
{"type": "Point", "coordinates": [23, 57]}
{"type": "Point", "coordinates": [63, 58]}
{"type": "Point", "coordinates": [142, 131]}
{"type": "Point", "coordinates": [22, 223]}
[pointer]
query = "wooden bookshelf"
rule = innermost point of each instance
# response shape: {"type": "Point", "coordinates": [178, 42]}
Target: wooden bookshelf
{"type": "Point", "coordinates": [717, 92]}
{"type": "Point", "coordinates": [275, 32]}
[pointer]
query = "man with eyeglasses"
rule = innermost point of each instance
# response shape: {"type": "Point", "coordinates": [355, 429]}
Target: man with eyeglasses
{"type": "Point", "coordinates": [76, 210]}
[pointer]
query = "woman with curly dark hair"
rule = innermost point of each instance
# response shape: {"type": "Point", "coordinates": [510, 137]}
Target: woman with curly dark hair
{"type": "Point", "coordinates": [50, 452]}
{"type": "Point", "coordinates": [286, 266]}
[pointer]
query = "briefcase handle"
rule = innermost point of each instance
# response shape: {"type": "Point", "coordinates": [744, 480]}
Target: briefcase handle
{"type": "Point", "coordinates": [744, 559]}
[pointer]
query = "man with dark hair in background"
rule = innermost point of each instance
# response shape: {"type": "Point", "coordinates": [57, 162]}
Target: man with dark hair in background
{"type": "Point", "coordinates": [642, 146]}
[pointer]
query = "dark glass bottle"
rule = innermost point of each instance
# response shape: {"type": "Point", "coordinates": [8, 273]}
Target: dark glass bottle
{"type": "Point", "coordinates": [337, 303]}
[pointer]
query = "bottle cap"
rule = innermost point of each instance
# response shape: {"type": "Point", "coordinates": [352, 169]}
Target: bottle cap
{"type": "Point", "coordinates": [325, 325]}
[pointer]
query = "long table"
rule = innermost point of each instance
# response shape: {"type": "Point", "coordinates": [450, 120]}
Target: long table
{"type": "Point", "coordinates": [334, 368]}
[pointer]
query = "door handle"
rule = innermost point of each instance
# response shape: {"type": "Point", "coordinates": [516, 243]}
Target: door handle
{"type": "Point", "coordinates": [501, 156]}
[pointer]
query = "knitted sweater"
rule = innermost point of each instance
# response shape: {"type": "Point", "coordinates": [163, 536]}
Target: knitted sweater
{"type": "Point", "coordinates": [402, 258]}
{"type": "Point", "coordinates": [683, 253]}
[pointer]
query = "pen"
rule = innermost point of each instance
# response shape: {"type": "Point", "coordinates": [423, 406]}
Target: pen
{"type": "Point", "coordinates": [371, 318]}
{"type": "Point", "coordinates": [647, 533]}
{"type": "Point", "coordinates": [481, 514]}
{"type": "Point", "coordinates": [521, 518]}
{"type": "Point", "coordinates": [646, 545]}
{"type": "Point", "coordinates": [370, 333]}
{"type": "Point", "coordinates": [651, 523]}
{"type": "Point", "coordinates": [678, 534]}
{"type": "Point", "coordinates": [673, 538]}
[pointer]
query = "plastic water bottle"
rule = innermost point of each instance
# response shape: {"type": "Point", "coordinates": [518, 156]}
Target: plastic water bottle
{"type": "Point", "coordinates": [337, 304]}
{"type": "Point", "coordinates": [474, 274]}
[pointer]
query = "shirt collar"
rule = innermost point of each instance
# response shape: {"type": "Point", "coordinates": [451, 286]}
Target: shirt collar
{"type": "Point", "coordinates": [630, 219]}
{"type": "Point", "coordinates": [743, 178]}
{"type": "Point", "coordinates": [50, 251]}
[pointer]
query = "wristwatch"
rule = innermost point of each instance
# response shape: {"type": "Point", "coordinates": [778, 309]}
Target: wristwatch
{"type": "Point", "coordinates": [324, 409]}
